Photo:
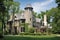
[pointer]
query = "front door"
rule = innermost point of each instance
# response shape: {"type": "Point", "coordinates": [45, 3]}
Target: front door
{"type": "Point", "coordinates": [15, 30]}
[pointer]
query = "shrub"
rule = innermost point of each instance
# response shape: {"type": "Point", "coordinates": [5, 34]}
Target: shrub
{"type": "Point", "coordinates": [31, 30]}
{"type": "Point", "coordinates": [1, 34]}
{"type": "Point", "coordinates": [30, 34]}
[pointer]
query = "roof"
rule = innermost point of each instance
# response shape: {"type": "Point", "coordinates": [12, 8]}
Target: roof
{"type": "Point", "coordinates": [18, 17]}
{"type": "Point", "coordinates": [28, 6]}
{"type": "Point", "coordinates": [22, 16]}
{"type": "Point", "coordinates": [38, 20]}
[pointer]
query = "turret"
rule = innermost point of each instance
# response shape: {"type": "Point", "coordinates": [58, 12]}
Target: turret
{"type": "Point", "coordinates": [28, 14]}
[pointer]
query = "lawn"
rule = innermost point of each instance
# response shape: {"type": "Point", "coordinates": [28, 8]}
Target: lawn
{"type": "Point", "coordinates": [30, 37]}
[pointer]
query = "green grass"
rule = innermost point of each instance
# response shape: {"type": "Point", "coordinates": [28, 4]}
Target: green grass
{"type": "Point", "coordinates": [30, 37]}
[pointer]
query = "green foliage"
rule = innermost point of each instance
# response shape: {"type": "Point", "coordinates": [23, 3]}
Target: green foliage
{"type": "Point", "coordinates": [0, 26]}
{"type": "Point", "coordinates": [53, 14]}
{"type": "Point", "coordinates": [10, 7]}
{"type": "Point", "coordinates": [26, 27]}
{"type": "Point", "coordinates": [29, 37]}
{"type": "Point", "coordinates": [58, 2]}
{"type": "Point", "coordinates": [34, 13]}
{"type": "Point", "coordinates": [29, 33]}
{"type": "Point", "coordinates": [21, 11]}
{"type": "Point", "coordinates": [31, 30]}
{"type": "Point", "coordinates": [56, 20]}
{"type": "Point", "coordinates": [41, 15]}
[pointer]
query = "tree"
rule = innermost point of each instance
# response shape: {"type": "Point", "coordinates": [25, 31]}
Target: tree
{"type": "Point", "coordinates": [35, 14]}
{"type": "Point", "coordinates": [8, 5]}
{"type": "Point", "coordinates": [58, 2]}
{"type": "Point", "coordinates": [54, 14]}
{"type": "Point", "coordinates": [2, 12]}
{"type": "Point", "coordinates": [21, 11]}
{"type": "Point", "coordinates": [53, 18]}
{"type": "Point", "coordinates": [56, 19]}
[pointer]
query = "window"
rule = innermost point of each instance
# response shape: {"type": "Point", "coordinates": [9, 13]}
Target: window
{"type": "Point", "coordinates": [30, 19]}
{"type": "Point", "coordinates": [22, 21]}
{"type": "Point", "coordinates": [43, 24]}
{"type": "Point", "coordinates": [15, 17]}
{"type": "Point", "coordinates": [22, 29]}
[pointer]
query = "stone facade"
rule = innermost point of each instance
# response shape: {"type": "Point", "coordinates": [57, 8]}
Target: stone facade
{"type": "Point", "coordinates": [28, 15]}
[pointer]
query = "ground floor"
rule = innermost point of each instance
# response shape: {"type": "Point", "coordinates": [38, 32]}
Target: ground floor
{"type": "Point", "coordinates": [17, 27]}
{"type": "Point", "coordinates": [24, 29]}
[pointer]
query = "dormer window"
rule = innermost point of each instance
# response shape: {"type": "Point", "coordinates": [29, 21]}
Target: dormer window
{"type": "Point", "coordinates": [15, 17]}
{"type": "Point", "coordinates": [30, 19]}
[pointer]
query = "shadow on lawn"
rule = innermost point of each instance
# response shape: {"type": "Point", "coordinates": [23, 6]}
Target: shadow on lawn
{"type": "Point", "coordinates": [31, 38]}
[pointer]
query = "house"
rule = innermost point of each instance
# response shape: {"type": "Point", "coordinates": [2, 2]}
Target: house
{"type": "Point", "coordinates": [23, 21]}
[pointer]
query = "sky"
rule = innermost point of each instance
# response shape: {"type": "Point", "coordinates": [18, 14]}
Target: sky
{"type": "Point", "coordinates": [38, 5]}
